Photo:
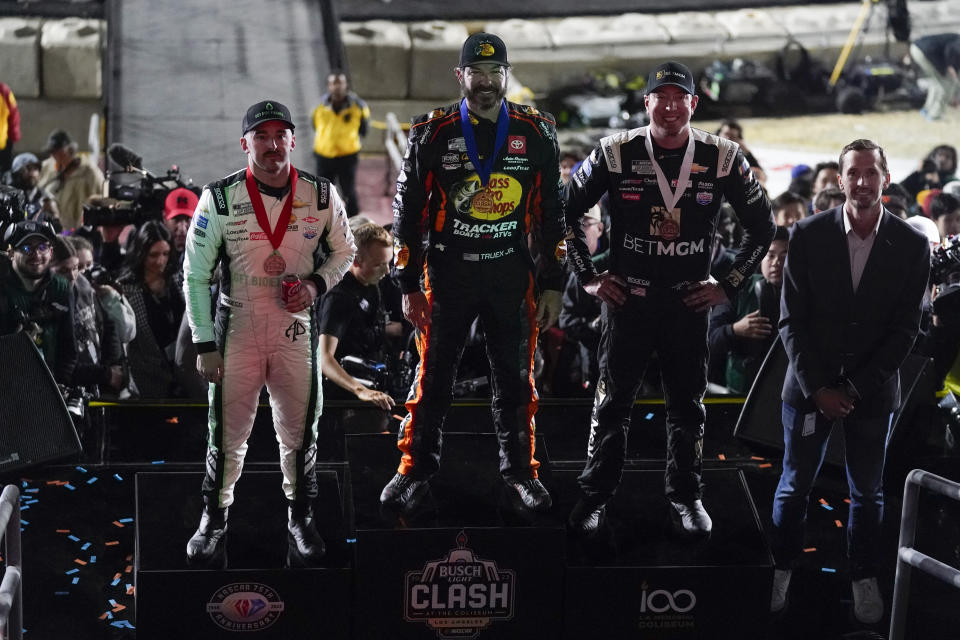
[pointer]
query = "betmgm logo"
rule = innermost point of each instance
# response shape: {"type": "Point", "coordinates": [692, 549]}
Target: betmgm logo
{"type": "Point", "coordinates": [459, 594]}
{"type": "Point", "coordinates": [663, 609]}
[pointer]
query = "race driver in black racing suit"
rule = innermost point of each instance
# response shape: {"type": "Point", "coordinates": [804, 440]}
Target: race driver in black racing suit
{"type": "Point", "coordinates": [657, 291]}
{"type": "Point", "coordinates": [478, 178]}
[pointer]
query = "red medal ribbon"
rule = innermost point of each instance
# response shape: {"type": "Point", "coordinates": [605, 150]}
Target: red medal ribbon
{"type": "Point", "coordinates": [276, 235]}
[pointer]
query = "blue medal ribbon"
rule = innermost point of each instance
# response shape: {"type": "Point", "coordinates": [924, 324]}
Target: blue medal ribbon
{"type": "Point", "coordinates": [485, 168]}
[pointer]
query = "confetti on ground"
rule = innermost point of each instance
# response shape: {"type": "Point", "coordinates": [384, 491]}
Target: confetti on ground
{"type": "Point", "coordinates": [124, 624]}
{"type": "Point", "coordinates": [828, 570]}
{"type": "Point", "coordinates": [34, 490]}
{"type": "Point", "coordinates": [128, 568]}
{"type": "Point", "coordinates": [70, 486]}
{"type": "Point", "coordinates": [757, 458]}
{"type": "Point", "coordinates": [22, 521]}
{"type": "Point", "coordinates": [131, 590]}
{"type": "Point", "coordinates": [173, 420]}
{"type": "Point", "coordinates": [81, 470]}
{"type": "Point", "coordinates": [64, 531]}
{"type": "Point", "coordinates": [93, 559]}
{"type": "Point", "coordinates": [72, 571]}
{"type": "Point", "coordinates": [116, 580]}
{"type": "Point", "coordinates": [764, 465]}
{"type": "Point", "coordinates": [103, 616]}
{"type": "Point", "coordinates": [76, 580]}
{"type": "Point", "coordinates": [838, 523]}
{"type": "Point", "coordinates": [31, 501]}
{"type": "Point", "coordinates": [826, 506]}
{"type": "Point", "coordinates": [24, 507]}
{"type": "Point", "coordinates": [61, 593]}
{"type": "Point", "coordinates": [809, 549]}
{"type": "Point", "coordinates": [74, 538]}
{"type": "Point", "coordinates": [721, 456]}
{"type": "Point", "coordinates": [119, 608]}
{"type": "Point", "coordinates": [126, 520]}
{"type": "Point", "coordinates": [649, 416]}
{"type": "Point", "coordinates": [80, 562]}
{"type": "Point", "coordinates": [117, 523]}
{"type": "Point", "coordinates": [111, 543]}
{"type": "Point", "coordinates": [847, 500]}
{"type": "Point", "coordinates": [86, 545]}
{"type": "Point", "coordinates": [159, 462]}
{"type": "Point", "coordinates": [112, 602]}
{"type": "Point", "coordinates": [118, 477]}
{"type": "Point", "coordinates": [92, 480]}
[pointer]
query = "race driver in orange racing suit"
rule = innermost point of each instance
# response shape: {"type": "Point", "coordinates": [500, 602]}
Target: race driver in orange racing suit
{"type": "Point", "coordinates": [479, 177]}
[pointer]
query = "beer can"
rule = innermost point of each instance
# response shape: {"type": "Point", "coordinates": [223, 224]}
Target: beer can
{"type": "Point", "coordinates": [289, 286]}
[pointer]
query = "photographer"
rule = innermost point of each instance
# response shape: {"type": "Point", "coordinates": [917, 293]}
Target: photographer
{"type": "Point", "coordinates": [38, 204]}
{"type": "Point", "coordinates": [34, 300]}
{"type": "Point", "coordinates": [99, 354]}
{"type": "Point", "coordinates": [351, 321]}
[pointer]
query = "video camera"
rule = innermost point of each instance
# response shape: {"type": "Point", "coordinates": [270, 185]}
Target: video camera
{"type": "Point", "coordinates": [945, 273]}
{"type": "Point", "coordinates": [135, 195]}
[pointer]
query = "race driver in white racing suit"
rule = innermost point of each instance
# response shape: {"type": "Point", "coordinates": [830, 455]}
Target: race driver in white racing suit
{"type": "Point", "coordinates": [259, 225]}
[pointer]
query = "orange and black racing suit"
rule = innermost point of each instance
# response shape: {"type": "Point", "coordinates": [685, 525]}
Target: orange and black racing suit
{"type": "Point", "coordinates": [468, 247]}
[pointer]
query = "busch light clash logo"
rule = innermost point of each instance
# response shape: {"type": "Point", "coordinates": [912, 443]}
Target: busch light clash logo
{"type": "Point", "coordinates": [245, 606]}
{"type": "Point", "coordinates": [661, 609]}
{"type": "Point", "coordinates": [460, 594]}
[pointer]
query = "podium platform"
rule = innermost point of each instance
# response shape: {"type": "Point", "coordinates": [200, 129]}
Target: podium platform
{"type": "Point", "coordinates": [637, 578]}
{"type": "Point", "coordinates": [255, 592]}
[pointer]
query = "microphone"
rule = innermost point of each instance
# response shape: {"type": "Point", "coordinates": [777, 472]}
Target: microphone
{"type": "Point", "coordinates": [124, 156]}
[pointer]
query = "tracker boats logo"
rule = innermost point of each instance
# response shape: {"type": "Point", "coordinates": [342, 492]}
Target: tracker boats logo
{"type": "Point", "coordinates": [245, 606]}
{"type": "Point", "coordinates": [460, 594]}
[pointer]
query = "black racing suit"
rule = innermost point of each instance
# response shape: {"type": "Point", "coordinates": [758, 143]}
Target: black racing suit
{"type": "Point", "coordinates": [659, 254]}
{"type": "Point", "coordinates": [466, 245]}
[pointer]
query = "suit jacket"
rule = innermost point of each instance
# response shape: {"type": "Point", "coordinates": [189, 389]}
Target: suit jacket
{"type": "Point", "coordinates": [829, 331]}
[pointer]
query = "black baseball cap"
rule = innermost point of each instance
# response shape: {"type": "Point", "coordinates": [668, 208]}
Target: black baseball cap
{"type": "Point", "coordinates": [264, 112]}
{"type": "Point", "coordinates": [17, 233]}
{"type": "Point", "coordinates": [483, 47]}
{"type": "Point", "coordinates": [58, 139]}
{"type": "Point", "coordinates": [672, 73]}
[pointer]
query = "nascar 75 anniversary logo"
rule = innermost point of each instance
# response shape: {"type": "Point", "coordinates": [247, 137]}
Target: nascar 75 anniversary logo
{"type": "Point", "coordinates": [459, 594]}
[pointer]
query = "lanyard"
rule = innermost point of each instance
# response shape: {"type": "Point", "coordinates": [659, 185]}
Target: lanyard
{"type": "Point", "coordinates": [670, 198]}
{"type": "Point", "coordinates": [485, 168]}
{"type": "Point", "coordinates": [275, 235]}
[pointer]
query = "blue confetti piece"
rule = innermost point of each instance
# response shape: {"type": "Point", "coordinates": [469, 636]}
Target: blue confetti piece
{"type": "Point", "coordinates": [61, 593]}
{"type": "Point", "coordinates": [76, 580]}
{"type": "Point", "coordinates": [92, 480]}
{"type": "Point", "coordinates": [81, 470]}
{"type": "Point", "coordinates": [826, 506]}
{"type": "Point", "coordinates": [122, 624]}
{"type": "Point", "coordinates": [24, 507]}
{"type": "Point", "coordinates": [70, 486]}
{"type": "Point", "coordinates": [73, 537]}
{"type": "Point", "coordinates": [23, 483]}
{"type": "Point", "coordinates": [72, 571]}
{"type": "Point", "coordinates": [22, 521]}
{"type": "Point", "coordinates": [85, 546]}
{"type": "Point", "coordinates": [351, 540]}
{"type": "Point", "coordinates": [115, 582]}
{"type": "Point", "coordinates": [118, 478]}
{"type": "Point", "coordinates": [110, 617]}
{"type": "Point", "coordinates": [828, 570]}
{"type": "Point", "coordinates": [125, 520]}
{"type": "Point", "coordinates": [34, 490]}
{"type": "Point", "coordinates": [34, 501]}
{"type": "Point", "coordinates": [649, 416]}
{"type": "Point", "coordinates": [93, 559]}
{"type": "Point", "coordinates": [112, 602]}
{"type": "Point", "coordinates": [159, 462]}
{"type": "Point", "coordinates": [129, 586]}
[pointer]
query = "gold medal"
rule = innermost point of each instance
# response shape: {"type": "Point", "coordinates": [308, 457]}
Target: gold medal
{"type": "Point", "coordinates": [274, 265]}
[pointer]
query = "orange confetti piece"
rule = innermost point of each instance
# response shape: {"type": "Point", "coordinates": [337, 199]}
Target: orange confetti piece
{"type": "Point", "coordinates": [103, 616]}
{"type": "Point", "coordinates": [809, 549]}
{"type": "Point", "coordinates": [838, 523]}
{"type": "Point", "coordinates": [79, 561]}
{"type": "Point", "coordinates": [116, 576]}
{"type": "Point", "coordinates": [822, 501]}
{"type": "Point", "coordinates": [119, 607]}
{"type": "Point", "coordinates": [117, 523]}
{"type": "Point", "coordinates": [111, 543]}
{"type": "Point", "coordinates": [721, 456]}
{"type": "Point", "coordinates": [396, 417]}
{"type": "Point", "coordinates": [63, 530]}
{"type": "Point", "coordinates": [131, 591]}
{"type": "Point", "coordinates": [764, 465]}
{"type": "Point", "coordinates": [128, 569]}
{"type": "Point", "coordinates": [757, 458]}
{"type": "Point", "coordinates": [847, 500]}
{"type": "Point", "coordinates": [129, 557]}
{"type": "Point", "coordinates": [173, 420]}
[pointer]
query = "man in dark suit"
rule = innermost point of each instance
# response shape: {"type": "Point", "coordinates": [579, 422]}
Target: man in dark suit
{"type": "Point", "coordinates": [850, 311]}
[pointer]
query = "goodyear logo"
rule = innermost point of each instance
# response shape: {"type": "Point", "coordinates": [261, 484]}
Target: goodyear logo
{"type": "Point", "coordinates": [485, 49]}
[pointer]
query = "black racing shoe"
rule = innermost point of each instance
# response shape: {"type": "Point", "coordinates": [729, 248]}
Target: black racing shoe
{"type": "Point", "coordinates": [405, 491]}
{"type": "Point", "coordinates": [533, 494]}
{"type": "Point", "coordinates": [587, 516]}
{"type": "Point", "coordinates": [208, 545]}
{"type": "Point", "coordinates": [691, 518]}
{"type": "Point", "coordinates": [305, 547]}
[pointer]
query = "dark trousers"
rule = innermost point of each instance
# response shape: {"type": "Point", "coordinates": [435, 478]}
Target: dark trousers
{"type": "Point", "coordinates": [631, 333]}
{"type": "Point", "coordinates": [343, 171]}
{"type": "Point", "coordinates": [500, 292]}
{"type": "Point", "coordinates": [6, 157]}
{"type": "Point", "coordinates": [805, 445]}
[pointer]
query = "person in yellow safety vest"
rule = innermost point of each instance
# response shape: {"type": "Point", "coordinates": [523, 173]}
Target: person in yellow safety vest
{"type": "Point", "coordinates": [9, 126]}
{"type": "Point", "coordinates": [340, 120]}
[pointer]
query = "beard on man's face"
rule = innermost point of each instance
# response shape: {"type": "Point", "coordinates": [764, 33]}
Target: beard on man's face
{"type": "Point", "coordinates": [482, 97]}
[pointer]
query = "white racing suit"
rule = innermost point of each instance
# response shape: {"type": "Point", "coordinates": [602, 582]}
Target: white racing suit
{"type": "Point", "coordinates": [261, 342]}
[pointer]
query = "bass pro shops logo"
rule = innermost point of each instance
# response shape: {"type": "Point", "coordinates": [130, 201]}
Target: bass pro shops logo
{"type": "Point", "coordinates": [460, 594]}
{"type": "Point", "coordinates": [245, 606]}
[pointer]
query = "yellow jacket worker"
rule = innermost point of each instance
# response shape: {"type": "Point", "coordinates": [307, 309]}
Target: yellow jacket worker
{"type": "Point", "coordinates": [339, 121]}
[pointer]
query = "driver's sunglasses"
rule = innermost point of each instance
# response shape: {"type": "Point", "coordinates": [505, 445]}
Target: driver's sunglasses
{"type": "Point", "coordinates": [40, 247]}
